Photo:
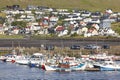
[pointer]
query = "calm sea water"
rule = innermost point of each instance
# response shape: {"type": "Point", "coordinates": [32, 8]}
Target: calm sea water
{"type": "Point", "coordinates": [9, 71]}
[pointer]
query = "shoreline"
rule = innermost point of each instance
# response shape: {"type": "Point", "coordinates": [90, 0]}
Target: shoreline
{"type": "Point", "coordinates": [61, 45]}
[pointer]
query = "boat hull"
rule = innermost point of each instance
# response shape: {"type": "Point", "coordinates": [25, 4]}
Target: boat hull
{"type": "Point", "coordinates": [22, 62]}
{"type": "Point", "coordinates": [103, 68]}
{"type": "Point", "coordinates": [72, 68]}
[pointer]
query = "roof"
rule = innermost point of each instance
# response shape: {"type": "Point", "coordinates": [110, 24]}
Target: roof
{"type": "Point", "coordinates": [59, 28]}
{"type": "Point", "coordinates": [38, 54]}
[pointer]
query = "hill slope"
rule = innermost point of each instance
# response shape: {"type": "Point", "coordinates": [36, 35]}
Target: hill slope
{"type": "Point", "coordinates": [93, 5]}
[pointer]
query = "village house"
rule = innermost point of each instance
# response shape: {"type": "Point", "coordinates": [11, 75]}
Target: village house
{"type": "Point", "coordinates": [39, 12]}
{"type": "Point", "coordinates": [96, 14]}
{"type": "Point", "coordinates": [54, 12]}
{"type": "Point", "coordinates": [31, 7]}
{"type": "Point", "coordinates": [45, 20]}
{"type": "Point", "coordinates": [28, 12]}
{"type": "Point", "coordinates": [59, 30]}
{"type": "Point", "coordinates": [21, 11]}
{"type": "Point", "coordinates": [34, 26]}
{"type": "Point", "coordinates": [86, 14]}
{"type": "Point", "coordinates": [15, 31]}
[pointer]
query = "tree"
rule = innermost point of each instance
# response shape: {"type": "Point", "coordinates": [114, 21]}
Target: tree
{"type": "Point", "coordinates": [2, 20]}
{"type": "Point", "coordinates": [20, 24]}
{"type": "Point", "coordinates": [17, 16]}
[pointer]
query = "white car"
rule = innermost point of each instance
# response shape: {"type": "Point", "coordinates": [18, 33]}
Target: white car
{"type": "Point", "coordinates": [92, 46]}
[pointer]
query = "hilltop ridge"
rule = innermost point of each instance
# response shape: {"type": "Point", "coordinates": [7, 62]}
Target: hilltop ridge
{"type": "Point", "coordinates": [94, 5]}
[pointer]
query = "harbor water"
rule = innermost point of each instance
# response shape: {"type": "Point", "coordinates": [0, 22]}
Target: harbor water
{"type": "Point", "coordinates": [12, 71]}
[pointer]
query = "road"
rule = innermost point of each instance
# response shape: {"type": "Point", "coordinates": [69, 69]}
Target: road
{"type": "Point", "coordinates": [58, 42]}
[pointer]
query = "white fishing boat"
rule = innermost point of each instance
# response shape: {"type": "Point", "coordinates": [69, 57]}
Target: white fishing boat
{"type": "Point", "coordinates": [50, 67]}
{"type": "Point", "coordinates": [109, 66]}
{"type": "Point", "coordinates": [3, 58]}
{"type": "Point", "coordinates": [36, 60]}
{"type": "Point", "coordinates": [81, 66]}
{"type": "Point", "coordinates": [11, 58]}
{"type": "Point", "coordinates": [23, 60]}
{"type": "Point", "coordinates": [65, 67]}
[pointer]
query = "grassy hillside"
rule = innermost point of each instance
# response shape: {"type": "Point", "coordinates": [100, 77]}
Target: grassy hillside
{"type": "Point", "coordinates": [116, 27]}
{"type": "Point", "coordinates": [93, 5]}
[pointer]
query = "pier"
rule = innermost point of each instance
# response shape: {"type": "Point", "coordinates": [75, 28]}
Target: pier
{"type": "Point", "coordinates": [92, 69]}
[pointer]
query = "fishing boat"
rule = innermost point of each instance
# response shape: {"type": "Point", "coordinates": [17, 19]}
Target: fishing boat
{"type": "Point", "coordinates": [36, 60]}
{"type": "Point", "coordinates": [65, 67]}
{"type": "Point", "coordinates": [10, 58]}
{"type": "Point", "coordinates": [3, 58]}
{"type": "Point", "coordinates": [81, 66]}
{"type": "Point", "coordinates": [23, 60]}
{"type": "Point", "coordinates": [49, 67]}
{"type": "Point", "coordinates": [109, 66]}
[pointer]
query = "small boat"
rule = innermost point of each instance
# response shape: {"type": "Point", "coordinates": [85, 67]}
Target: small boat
{"type": "Point", "coordinates": [65, 67]}
{"type": "Point", "coordinates": [3, 58]}
{"type": "Point", "coordinates": [49, 67]}
{"type": "Point", "coordinates": [98, 64]}
{"type": "Point", "coordinates": [23, 60]}
{"type": "Point", "coordinates": [81, 66]}
{"type": "Point", "coordinates": [109, 66]}
{"type": "Point", "coordinates": [10, 58]}
{"type": "Point", "coordinates": [36, 60]}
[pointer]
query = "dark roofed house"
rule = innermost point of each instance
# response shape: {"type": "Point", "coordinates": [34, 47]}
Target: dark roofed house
{"type": "Point", "coordinates": [96, 14]}
{"type": "Point", "coordinates": [14, 7]}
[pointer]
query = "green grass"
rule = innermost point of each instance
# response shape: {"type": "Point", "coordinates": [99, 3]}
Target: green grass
{"type": "Point", "coordinates": [11, 37]}
{"type": "Point", "coordinates": [92, 5]}
{"type": "Point", "coordinates": [116, 27]}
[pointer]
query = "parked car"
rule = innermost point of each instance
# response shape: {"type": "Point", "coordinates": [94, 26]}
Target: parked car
{"type": "Point", "coordinates": [49, 47]}
{"type": "Point", "coordinates": [75, 47]}
{"type": "Point", "coordinates": [105, 46]}
{"type": "Point", "coordinates": [92, 46]}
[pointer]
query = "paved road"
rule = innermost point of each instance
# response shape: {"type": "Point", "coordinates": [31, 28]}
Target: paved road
{"type": "Point", "coordinates": [58, 42]}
